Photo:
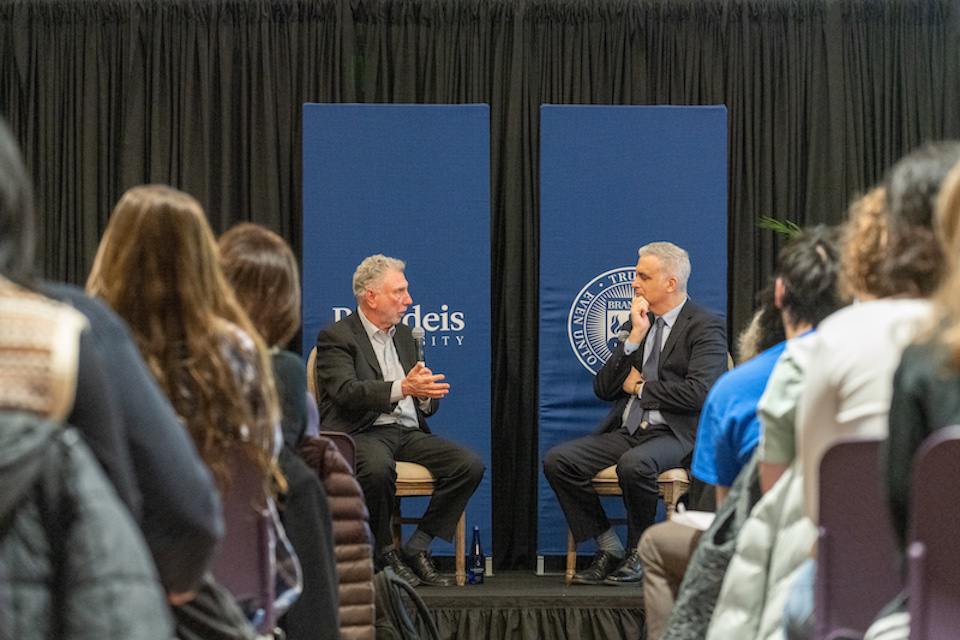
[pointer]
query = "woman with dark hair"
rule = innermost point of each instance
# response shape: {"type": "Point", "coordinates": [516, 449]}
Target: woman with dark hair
{"type": "Point", "coordinates": [926, 392]}
{"type": "Point", "coordinates": [846, 387]}
{"type": "Point", "coordinates": [847, 392]}
{"type": "Point", "coordinates": [158, 267]}
{"type": "Point", "coordinates": [263, 271]}
{"type": "Point", "coordinates": [264, 274]}
{"type": "Point", "coordinates": [926, 387]}
{"type": "Point", "coordinates": [74, 563]}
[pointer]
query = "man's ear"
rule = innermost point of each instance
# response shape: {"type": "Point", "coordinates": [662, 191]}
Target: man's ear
{"type": "Point", "coordinates": [779, 291]}
{"type": "Point", "coordinates": [370, 298]}
{"type": "Point", "coordinates": [671, 284]}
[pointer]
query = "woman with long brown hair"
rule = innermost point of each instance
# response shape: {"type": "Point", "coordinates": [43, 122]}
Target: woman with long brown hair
{"type": "Point", "coordinates": [158, 268]}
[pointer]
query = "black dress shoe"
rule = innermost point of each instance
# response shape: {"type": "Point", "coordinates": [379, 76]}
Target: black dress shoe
{"type": "Point", "coordinates": [603, 563]}
{"type": "Point", "coordinates": [422, 565]}
{"type": "Point", "coordinates": [393, 560]}
{"type": "Point", "coordinates": [630, 572]}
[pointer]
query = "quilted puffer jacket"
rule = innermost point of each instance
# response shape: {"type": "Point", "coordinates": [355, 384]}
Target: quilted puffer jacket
{"type": "Point", "coordinates": [65, 528]}
{"type": "Point", "coordinates": [351, 534]}
{"type": "Point", "coordinates": [772, 544]}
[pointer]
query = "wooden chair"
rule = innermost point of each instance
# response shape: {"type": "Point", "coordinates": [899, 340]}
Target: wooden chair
{"type": "Point", "coordinates": [415, 480]}
{"type": "Point", "coordinates": [412, 480]}
{"type": "Point", "coordinates": [673, 484]}
{"type": "Point", "coordinates": [313, 385]}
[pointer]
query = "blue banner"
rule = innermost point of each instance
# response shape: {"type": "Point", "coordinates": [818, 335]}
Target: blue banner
{"type": "Point", "coordinates": [411, 182]}
{"type": "Point", "coordinates": [613, 178]}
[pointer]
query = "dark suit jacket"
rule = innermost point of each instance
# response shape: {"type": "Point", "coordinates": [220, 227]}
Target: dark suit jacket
{"type": "Point", "coordinates": [352, 389]}
{"type": "Point", "coordinates": [693, 357]}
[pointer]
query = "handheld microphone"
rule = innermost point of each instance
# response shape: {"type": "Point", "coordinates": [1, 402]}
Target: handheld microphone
{"type": "Point", "coordinates": [418, 338]}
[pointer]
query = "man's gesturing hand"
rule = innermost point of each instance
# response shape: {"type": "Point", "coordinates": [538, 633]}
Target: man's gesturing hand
{"type": "Point", "coordinates": [422, 383]}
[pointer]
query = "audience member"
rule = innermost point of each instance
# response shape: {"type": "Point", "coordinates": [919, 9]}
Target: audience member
{"type": "Point", "coordinates": [846, 392]}
{"type": "Point", "coordinates": [263, 271]}
{"type": "Point", "coordinates": [803, 293]}
{"type": "Point", "coordinates": [373, 388]}
{"type": "Point", "coordinates": [72, 561]}
{"type": "Point", "coordinates": [658, 387]}
{"type": "Point", "coordinates": [926, 393]}
{"type": "Point", "coordinates": [863, 253]}
{"type": "Point", "coordinates": [157, 267]}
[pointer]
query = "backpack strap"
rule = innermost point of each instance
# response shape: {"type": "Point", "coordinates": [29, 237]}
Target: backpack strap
{"type": "Point", "coordinates": [431, 626]}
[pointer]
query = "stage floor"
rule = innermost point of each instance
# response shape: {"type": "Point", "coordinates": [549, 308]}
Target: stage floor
{"type": "Point", "coordinates": [522, 605]}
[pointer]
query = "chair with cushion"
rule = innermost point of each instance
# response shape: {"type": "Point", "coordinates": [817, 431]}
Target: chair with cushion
{"type": "Point", "coordinates": [312, 383]}
{"type": "Point", "coordinates": [934, 548]}
{"type": "Point", "coordinates": [412, 480]}
{"type": "Point", "coordinates": [673, 483]}
{"type": "Point", "coordinates": [415, 480]}
{"type": "Point", "coordinates": [857, 558]}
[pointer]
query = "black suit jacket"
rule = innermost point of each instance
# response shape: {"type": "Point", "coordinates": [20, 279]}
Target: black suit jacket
{"type": "Point", "coordinates": [352, 389]}
{"type": "Point", "coordinates": [693, 357]}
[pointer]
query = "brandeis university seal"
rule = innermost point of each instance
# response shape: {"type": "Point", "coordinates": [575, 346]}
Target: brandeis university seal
{"type": "Point", "coordinates": [596, 315]}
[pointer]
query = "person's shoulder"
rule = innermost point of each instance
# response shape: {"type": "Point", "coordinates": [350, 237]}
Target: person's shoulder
{"type": "Point", "coordinates": [97, 312]}
{"type": "Point", "coordinates": [284, 358]}
{"type": "Point", "coordinates": [704, 324]}
{"type": "Point", "coordinates": [235, 339]}
{"type": "Point", "coordinates": [756, 368]}
{"type": "Point", "coordinates": [927, 358]}
{"type": "Point", "coordinates": [693, 310]}
{"type": "Point", "coordinates": [343, 326]}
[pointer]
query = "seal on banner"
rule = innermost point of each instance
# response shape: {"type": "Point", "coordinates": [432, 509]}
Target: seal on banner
{"type": "Point", "coordinates": [596, 315]}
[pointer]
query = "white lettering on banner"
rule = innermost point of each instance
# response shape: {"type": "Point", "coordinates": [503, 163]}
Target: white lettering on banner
{"type": "Point", "coordinates": [443, 321]}
{"type": "Point", "coordinates": [597, 313]}
{"type": "Point", "coordinates": [619, 276]}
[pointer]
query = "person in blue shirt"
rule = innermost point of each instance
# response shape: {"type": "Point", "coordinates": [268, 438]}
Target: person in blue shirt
{"type": "Point", "coordinates": [804, 292]}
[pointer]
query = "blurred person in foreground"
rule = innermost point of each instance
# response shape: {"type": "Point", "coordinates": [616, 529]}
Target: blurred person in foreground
{"type": "Point", "coordinates": [158, 267]}
{"type": "Point", "coordinates": [926, 393]}
{"type": "Point", "coordinates": [72, 561]}
{"type": "Point", "coordinates": [263, 272]}
{"type": "Point", "coordinates": [803, 293]}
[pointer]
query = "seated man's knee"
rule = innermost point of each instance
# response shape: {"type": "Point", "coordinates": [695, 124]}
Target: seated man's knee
{"type": "Point", "coordinates": [377, 474]}
{"type": "Point", "coordinates": [554, 462]}
{"type": "Point", "coordinates": [473, 467]}
{"type": "Point", "coordinates": [636, 466]}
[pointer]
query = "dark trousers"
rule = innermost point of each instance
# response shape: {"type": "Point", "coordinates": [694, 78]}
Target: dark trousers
{"type": "Point", "coordinates": [457, 473]}
{"type": "Point", "coordinates": [640, 458]}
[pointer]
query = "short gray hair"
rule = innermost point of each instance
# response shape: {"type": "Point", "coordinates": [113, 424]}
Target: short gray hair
{"type": "Point", "coordinates": [673, 260]}
{"type": "Point", "coordinates": [370, 273]}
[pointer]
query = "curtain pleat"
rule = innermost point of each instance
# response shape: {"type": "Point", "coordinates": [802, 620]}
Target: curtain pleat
{"type": "Point", "coordinates": [822, 97]}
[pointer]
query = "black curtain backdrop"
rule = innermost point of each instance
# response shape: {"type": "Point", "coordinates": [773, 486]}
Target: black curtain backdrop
{"type": "Point", "coordinates": [823, 95]}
